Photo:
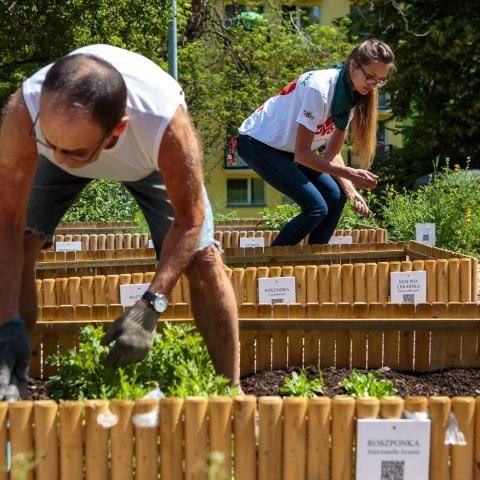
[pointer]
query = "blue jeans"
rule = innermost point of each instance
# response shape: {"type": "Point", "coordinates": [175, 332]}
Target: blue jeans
{"type": "Point", "coordinates": [318, 194]}
{"type": "Point", "coordinates": [54, 191]}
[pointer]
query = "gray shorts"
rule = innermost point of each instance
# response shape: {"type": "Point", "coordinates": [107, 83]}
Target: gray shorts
{"type": "Point", "coordinates": [54, 191]}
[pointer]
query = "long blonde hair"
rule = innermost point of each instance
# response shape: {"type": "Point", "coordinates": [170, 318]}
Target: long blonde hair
{"type": "Point", "coordinates": [364, 122]}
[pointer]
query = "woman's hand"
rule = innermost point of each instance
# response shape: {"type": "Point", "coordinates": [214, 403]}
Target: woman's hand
{"type": "Point", "coordinates": [359, 204]}
{"type": "Point", "coordinates": [362, 178]}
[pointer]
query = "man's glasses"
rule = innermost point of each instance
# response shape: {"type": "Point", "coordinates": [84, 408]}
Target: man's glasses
{"type": "Point", "coordinates": [373, 82]}
{"type": "Point", "coordinates": [66, 153]}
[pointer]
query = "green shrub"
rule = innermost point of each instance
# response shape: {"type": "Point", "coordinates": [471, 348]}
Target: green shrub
{"type": "Point", "coordinates": [450, 201]}
{"type": "Point", "coordinates": [277, 217]}
{"type": "Point", "coordinates": [103, 201]}
{"type": "Point", "coordinates": [178, 363]}
{"type": "Point", "coordinates": [298, 385]}
{"type": "Point", "coordinates": [369, 384]}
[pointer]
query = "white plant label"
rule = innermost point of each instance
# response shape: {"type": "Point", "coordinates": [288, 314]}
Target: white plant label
{"type": "Point", "coordinates": [408, 287]}
{"type": "Point", "coordinates": [132, 292]}
{"type": "Point", "coordinates": [397, 449]}
{"type": "Point", "coordinates": [68, 246]}
{"type": "Point", "coordinates": [425, 233]}
{"type": "Point", "coordinates": [150, 243]}
{"type": "Point", "coordinates": [277, 290]}
{"type": "Point", "coordinates": [341, 240]}
{"type": "Point", "coordinates": [252, 242]}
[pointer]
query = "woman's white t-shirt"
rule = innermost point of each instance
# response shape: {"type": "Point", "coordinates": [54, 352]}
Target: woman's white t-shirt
{"type": "Point", "coordinates": [153, 97]}
{"type": "Point", "coordinates": [306, 101]}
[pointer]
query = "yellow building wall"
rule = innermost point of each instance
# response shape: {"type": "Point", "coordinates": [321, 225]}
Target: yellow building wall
{"type": "Point", "coordinates": [331, 9]}
{"type": "Point", "coordinates": [217, 193]}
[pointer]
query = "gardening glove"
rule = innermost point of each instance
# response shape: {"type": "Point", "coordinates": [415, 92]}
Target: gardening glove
{"type": "Point", "coordinates": [14, 357]}
{"type": "Point", "coordinates": [133, 333]}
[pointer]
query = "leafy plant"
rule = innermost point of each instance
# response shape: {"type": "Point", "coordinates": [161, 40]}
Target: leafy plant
{"type": "Point", "coordinates": [103, 200]}
{"type": "Point", "coordinates": [349, 218]}
{"type": "Point", "coordinates": [276, 218]}
{"type": "Point", "coordinates": [450, 201]}
{"type": "Point", "coordinates": [298, 385]}
{"type": "Point", "coordinates": [178, 363]}
{"type": "Point", "coordinates": [367, 385]}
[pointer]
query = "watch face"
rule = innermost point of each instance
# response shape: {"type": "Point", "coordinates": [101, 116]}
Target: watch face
{"type": "Point", "coordinates": [160, 303]}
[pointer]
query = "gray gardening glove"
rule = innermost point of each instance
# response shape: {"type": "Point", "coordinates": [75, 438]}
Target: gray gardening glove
{"type": "Point", "coordinates": [14, 357]}
{"type": "Point", "coordinates": [133, 333]}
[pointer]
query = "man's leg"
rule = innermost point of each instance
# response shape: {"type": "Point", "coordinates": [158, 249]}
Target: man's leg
{"type": "Point", "coordinates": [215, 311]}
{"type": "Point", "coordinates": [53, 192]}
{"type": "Point", "coordinates": [212, 297]}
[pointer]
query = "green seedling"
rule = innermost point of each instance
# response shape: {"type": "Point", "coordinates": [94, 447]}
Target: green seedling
{"type": "Point", "coordinates": [298, 385]}
{"type": "Point", "coordinates": [360, 385]}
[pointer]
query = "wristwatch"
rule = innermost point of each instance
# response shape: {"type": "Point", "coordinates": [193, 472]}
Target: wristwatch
{"type": "Point", "coordinates": [156, 301]}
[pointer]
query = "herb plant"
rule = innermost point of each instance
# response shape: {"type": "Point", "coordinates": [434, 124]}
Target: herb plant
{"type": "Point", "coordinates": [298, 385]}
{"type": "Point", "coordinates": [178, 364]}
{"type": "Point", "coordinates": [369, 384]}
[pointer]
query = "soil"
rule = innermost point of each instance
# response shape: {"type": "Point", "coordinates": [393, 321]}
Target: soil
{"type": "Point", "coordinates": [451, 383]}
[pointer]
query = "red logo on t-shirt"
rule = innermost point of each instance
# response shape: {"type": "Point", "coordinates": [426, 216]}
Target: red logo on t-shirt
{"type": "Point", "coordinates": [289, 88]}
{"type": "Point", "coordinates": [325, 128]}
{"type": "Point", "coordinates": [285, 91]}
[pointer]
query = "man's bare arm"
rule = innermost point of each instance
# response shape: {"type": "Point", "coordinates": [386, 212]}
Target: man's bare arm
{"type": "Point", "coordinates": [180, 161]}
{"type": "Point", "coordinates": [18, 159]}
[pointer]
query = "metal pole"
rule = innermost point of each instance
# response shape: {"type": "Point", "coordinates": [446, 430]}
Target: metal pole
{"type": "Point", "coordinates": [172, 40]}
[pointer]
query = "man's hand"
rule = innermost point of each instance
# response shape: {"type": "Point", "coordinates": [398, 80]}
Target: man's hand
{"type": "Point", "coordinates": [359, 204]}
{"type": "Point", "coordinates": [362, 178]}
{"type": "Point", "coordinates": [14, 358]}
{"type": "Point", "coordinates": [133, 333]}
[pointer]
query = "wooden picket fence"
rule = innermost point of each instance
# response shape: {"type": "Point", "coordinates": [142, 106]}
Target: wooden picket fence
{"type": "Point", "coordinates": [104, 227]}
{"type": "Point", "coordinates": [421, 337]}
{"type": "Point", "coordinates": [226, 238]}
{"type": "Point", "coordinates": [241, 438]}
{"type": "Point", "coordinates": [448, 280]}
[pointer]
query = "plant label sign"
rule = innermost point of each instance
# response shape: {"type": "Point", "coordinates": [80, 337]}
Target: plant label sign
{"type": "Point", "coordinates": [129, 294]}
{"type": "Point", "coordinates": [397, 449]}
{"type": "Point", "coordinates": [408, 287]}
{"type": "Point", "coordinates": [277, 290]}
{"type": "Point", "coordinates": [341, 240]}
{"type": "Point", "coordinates": [68, 246]}
{"type": "Point", "coordinates": [425, 233]}
{"type": "Point", "coordinates": [252, 242]}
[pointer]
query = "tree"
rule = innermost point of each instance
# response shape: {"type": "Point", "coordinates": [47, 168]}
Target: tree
{"type": "Point", "coordinates": [36, 32]}
{"type": "Point", "coordinates": [435, 89]}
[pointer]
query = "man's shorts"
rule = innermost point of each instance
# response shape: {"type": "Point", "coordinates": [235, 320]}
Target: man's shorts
{"type": "Point", "coordinates": [54, 191]}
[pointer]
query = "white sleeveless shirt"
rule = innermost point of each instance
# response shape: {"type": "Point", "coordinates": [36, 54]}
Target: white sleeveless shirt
{"type": "Point", "coordinates": [153, 96]}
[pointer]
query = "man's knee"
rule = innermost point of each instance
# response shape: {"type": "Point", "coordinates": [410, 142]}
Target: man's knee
{"type": "Point", "coordinates": [206, 259]}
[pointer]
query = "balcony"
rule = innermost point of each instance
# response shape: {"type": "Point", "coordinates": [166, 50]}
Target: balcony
{"type": "Point", "coordinates": [234, 162]}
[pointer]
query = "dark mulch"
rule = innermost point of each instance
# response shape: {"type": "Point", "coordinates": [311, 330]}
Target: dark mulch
{"type": "Point", "coordinates": [454, 382]}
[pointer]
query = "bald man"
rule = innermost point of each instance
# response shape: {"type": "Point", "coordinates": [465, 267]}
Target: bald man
{"type": "Point", "coordinates": [103, 112]}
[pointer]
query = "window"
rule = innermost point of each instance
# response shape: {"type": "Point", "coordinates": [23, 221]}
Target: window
{"type": "Point", "coordinates": [245, 191]}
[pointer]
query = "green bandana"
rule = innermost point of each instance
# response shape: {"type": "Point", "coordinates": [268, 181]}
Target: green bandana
{"type": "Point", "coordinates": [343, 99]}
